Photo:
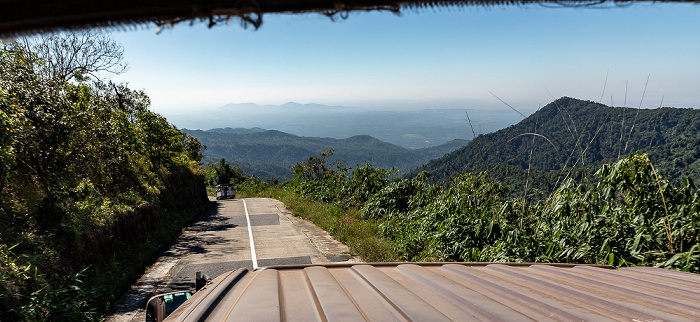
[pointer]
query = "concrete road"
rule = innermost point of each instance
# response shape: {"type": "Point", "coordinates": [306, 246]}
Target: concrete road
{"type": "Point", "coordinates": [221, 241]}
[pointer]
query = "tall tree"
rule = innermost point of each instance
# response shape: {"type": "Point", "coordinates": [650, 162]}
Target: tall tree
{"type": "Point", "coordinates": [76, 54]}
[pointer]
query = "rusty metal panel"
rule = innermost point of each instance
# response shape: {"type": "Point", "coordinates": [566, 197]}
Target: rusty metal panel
{"type": "Point", "coordinates": [370, 302]}
{"type": "Point", "coordinates": [447, 292]}
{"type": "Point", "coordinates": [297, 294]}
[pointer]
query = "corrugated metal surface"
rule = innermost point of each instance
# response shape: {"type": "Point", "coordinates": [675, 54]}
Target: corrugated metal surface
{"type": "Point", "coordinates": [447, 291]}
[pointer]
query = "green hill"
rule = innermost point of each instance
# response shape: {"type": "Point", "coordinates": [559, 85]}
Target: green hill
{"type": "Point", "coordinates": [571, 133]}
{"type": "Point", "coordinates": [271, 153]}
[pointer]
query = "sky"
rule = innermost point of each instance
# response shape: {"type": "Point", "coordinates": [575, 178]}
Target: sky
{"type": "Point", "coordinates": [433, 58]}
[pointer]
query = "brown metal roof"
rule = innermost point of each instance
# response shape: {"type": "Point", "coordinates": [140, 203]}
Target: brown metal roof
{"type": "Point", "coordinates": [20, 17]}
{"type": "Point", "coordinates": [447, 291]}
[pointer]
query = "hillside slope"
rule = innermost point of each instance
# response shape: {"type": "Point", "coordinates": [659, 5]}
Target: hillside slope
{"type": "Point", "coordinates": [272, 153]}
{"type": "Point", "coordinates": [571, 133]}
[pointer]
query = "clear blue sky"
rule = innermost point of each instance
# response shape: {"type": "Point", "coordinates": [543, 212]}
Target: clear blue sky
{"type": "Point", "coordinates": [425, 57]}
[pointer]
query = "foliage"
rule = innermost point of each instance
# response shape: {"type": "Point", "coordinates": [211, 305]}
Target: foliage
{"type": "Point", "coordinates": [42, 301]}
{"type": "Point", "coordinates": [399, 197]}
{"type": "Point", "coordinates": [85, 169]}
{"type": "Point", "coordinates": [443, 224]}
{"type": "Point", "coordinates": [224, 173]}
{"type": "Point", "coordinates": [678, 159]}
{"type": "Point", "coordinates": [629, 215]}
{"type": "Point", "coordinates": [319, 179]}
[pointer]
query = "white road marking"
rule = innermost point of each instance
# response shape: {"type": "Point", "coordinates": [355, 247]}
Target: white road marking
{"type": "Point", "coordinates": [250, 234]}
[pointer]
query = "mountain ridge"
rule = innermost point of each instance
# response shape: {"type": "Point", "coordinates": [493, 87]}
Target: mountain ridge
{"type": "Point", "coordinates": [417, 127]}
{"type": "Point", "coordinates": [272, 153]}
{"type": "Point", "coordinates": [568, 133]}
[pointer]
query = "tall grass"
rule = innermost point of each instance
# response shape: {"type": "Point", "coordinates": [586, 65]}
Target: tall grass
{"type": "Point", "coordinates": [630, 217]}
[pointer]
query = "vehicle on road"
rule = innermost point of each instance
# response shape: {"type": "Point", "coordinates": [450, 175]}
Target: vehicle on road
{"type": "Point", "coordinates": [224, 191]}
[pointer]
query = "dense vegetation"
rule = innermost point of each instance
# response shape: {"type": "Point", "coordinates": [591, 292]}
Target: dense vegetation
{"type": "Point", "coordinates": [91, 181]}
{"type": "Point", "coordinates": [630, 216]}
{"type": "Point", "coordinates": [584, 196]}
{"type": "Point", "coordinates": [271, 154]}
{"type": "Point", "coordinates": [570, 134]}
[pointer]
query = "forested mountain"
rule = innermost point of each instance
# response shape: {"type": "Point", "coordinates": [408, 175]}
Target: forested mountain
{"type": "Point", "coordinates": [575, 133]}
{"type": "Point", "coordinates": [269, 154]}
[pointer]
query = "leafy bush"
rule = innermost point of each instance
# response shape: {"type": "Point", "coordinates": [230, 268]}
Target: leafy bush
{"type": "Point", "coordinates": [630, 217]}
{"type": "Point", "coordinates": [364, 182]}
{"type": "Point", "coordinates": [445, 224]}
{"type": "Point", "coordinates": [27, 294]}
{"type": "Point", "coordinates": [399, 197]}
{"type": "Point", "coordinates": [318, 179]}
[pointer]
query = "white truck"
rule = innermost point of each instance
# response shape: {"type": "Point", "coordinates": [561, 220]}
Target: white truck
{"type": "Point", "coordinates": [224, 191]}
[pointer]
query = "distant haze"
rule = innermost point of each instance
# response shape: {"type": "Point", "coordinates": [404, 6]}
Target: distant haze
{"type": "Point", "coordinates": [517, 52]}
{"type": "Point", "coordinates": [413, 128]}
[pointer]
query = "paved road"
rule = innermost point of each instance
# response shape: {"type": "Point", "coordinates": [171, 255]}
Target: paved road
{"type": "Point", "coordinates": [221, 241]}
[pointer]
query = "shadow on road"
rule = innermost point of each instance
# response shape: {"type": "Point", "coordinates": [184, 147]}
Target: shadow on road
{"type": "Point", "coordinates": [184, 281]}
{"type": "Point", "coordinates": [200, 234]}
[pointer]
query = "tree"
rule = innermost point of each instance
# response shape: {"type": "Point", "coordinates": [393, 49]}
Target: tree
{"type": "Point", "coordinates": [223, 173]}
{"type": "Point", "coordinates": [75, 55]}
{"type": "Point", "coordinates": [82, 165]}
{"type": "Point", "coordinates": [10, 118]}
{"type": "Point", "coordinates": [315, 168]}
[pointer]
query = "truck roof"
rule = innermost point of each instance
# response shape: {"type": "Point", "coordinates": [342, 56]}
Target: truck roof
{"type": "Point", "coordinates": [446, 291]}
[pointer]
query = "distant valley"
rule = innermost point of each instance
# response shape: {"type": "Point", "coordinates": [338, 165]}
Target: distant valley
{"type": "Point", "coordinates": [544, 147]}
{"type": "Point", "coordinates": [271, 154]}
{"type": "Point", "coordinates": [412, 128]}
